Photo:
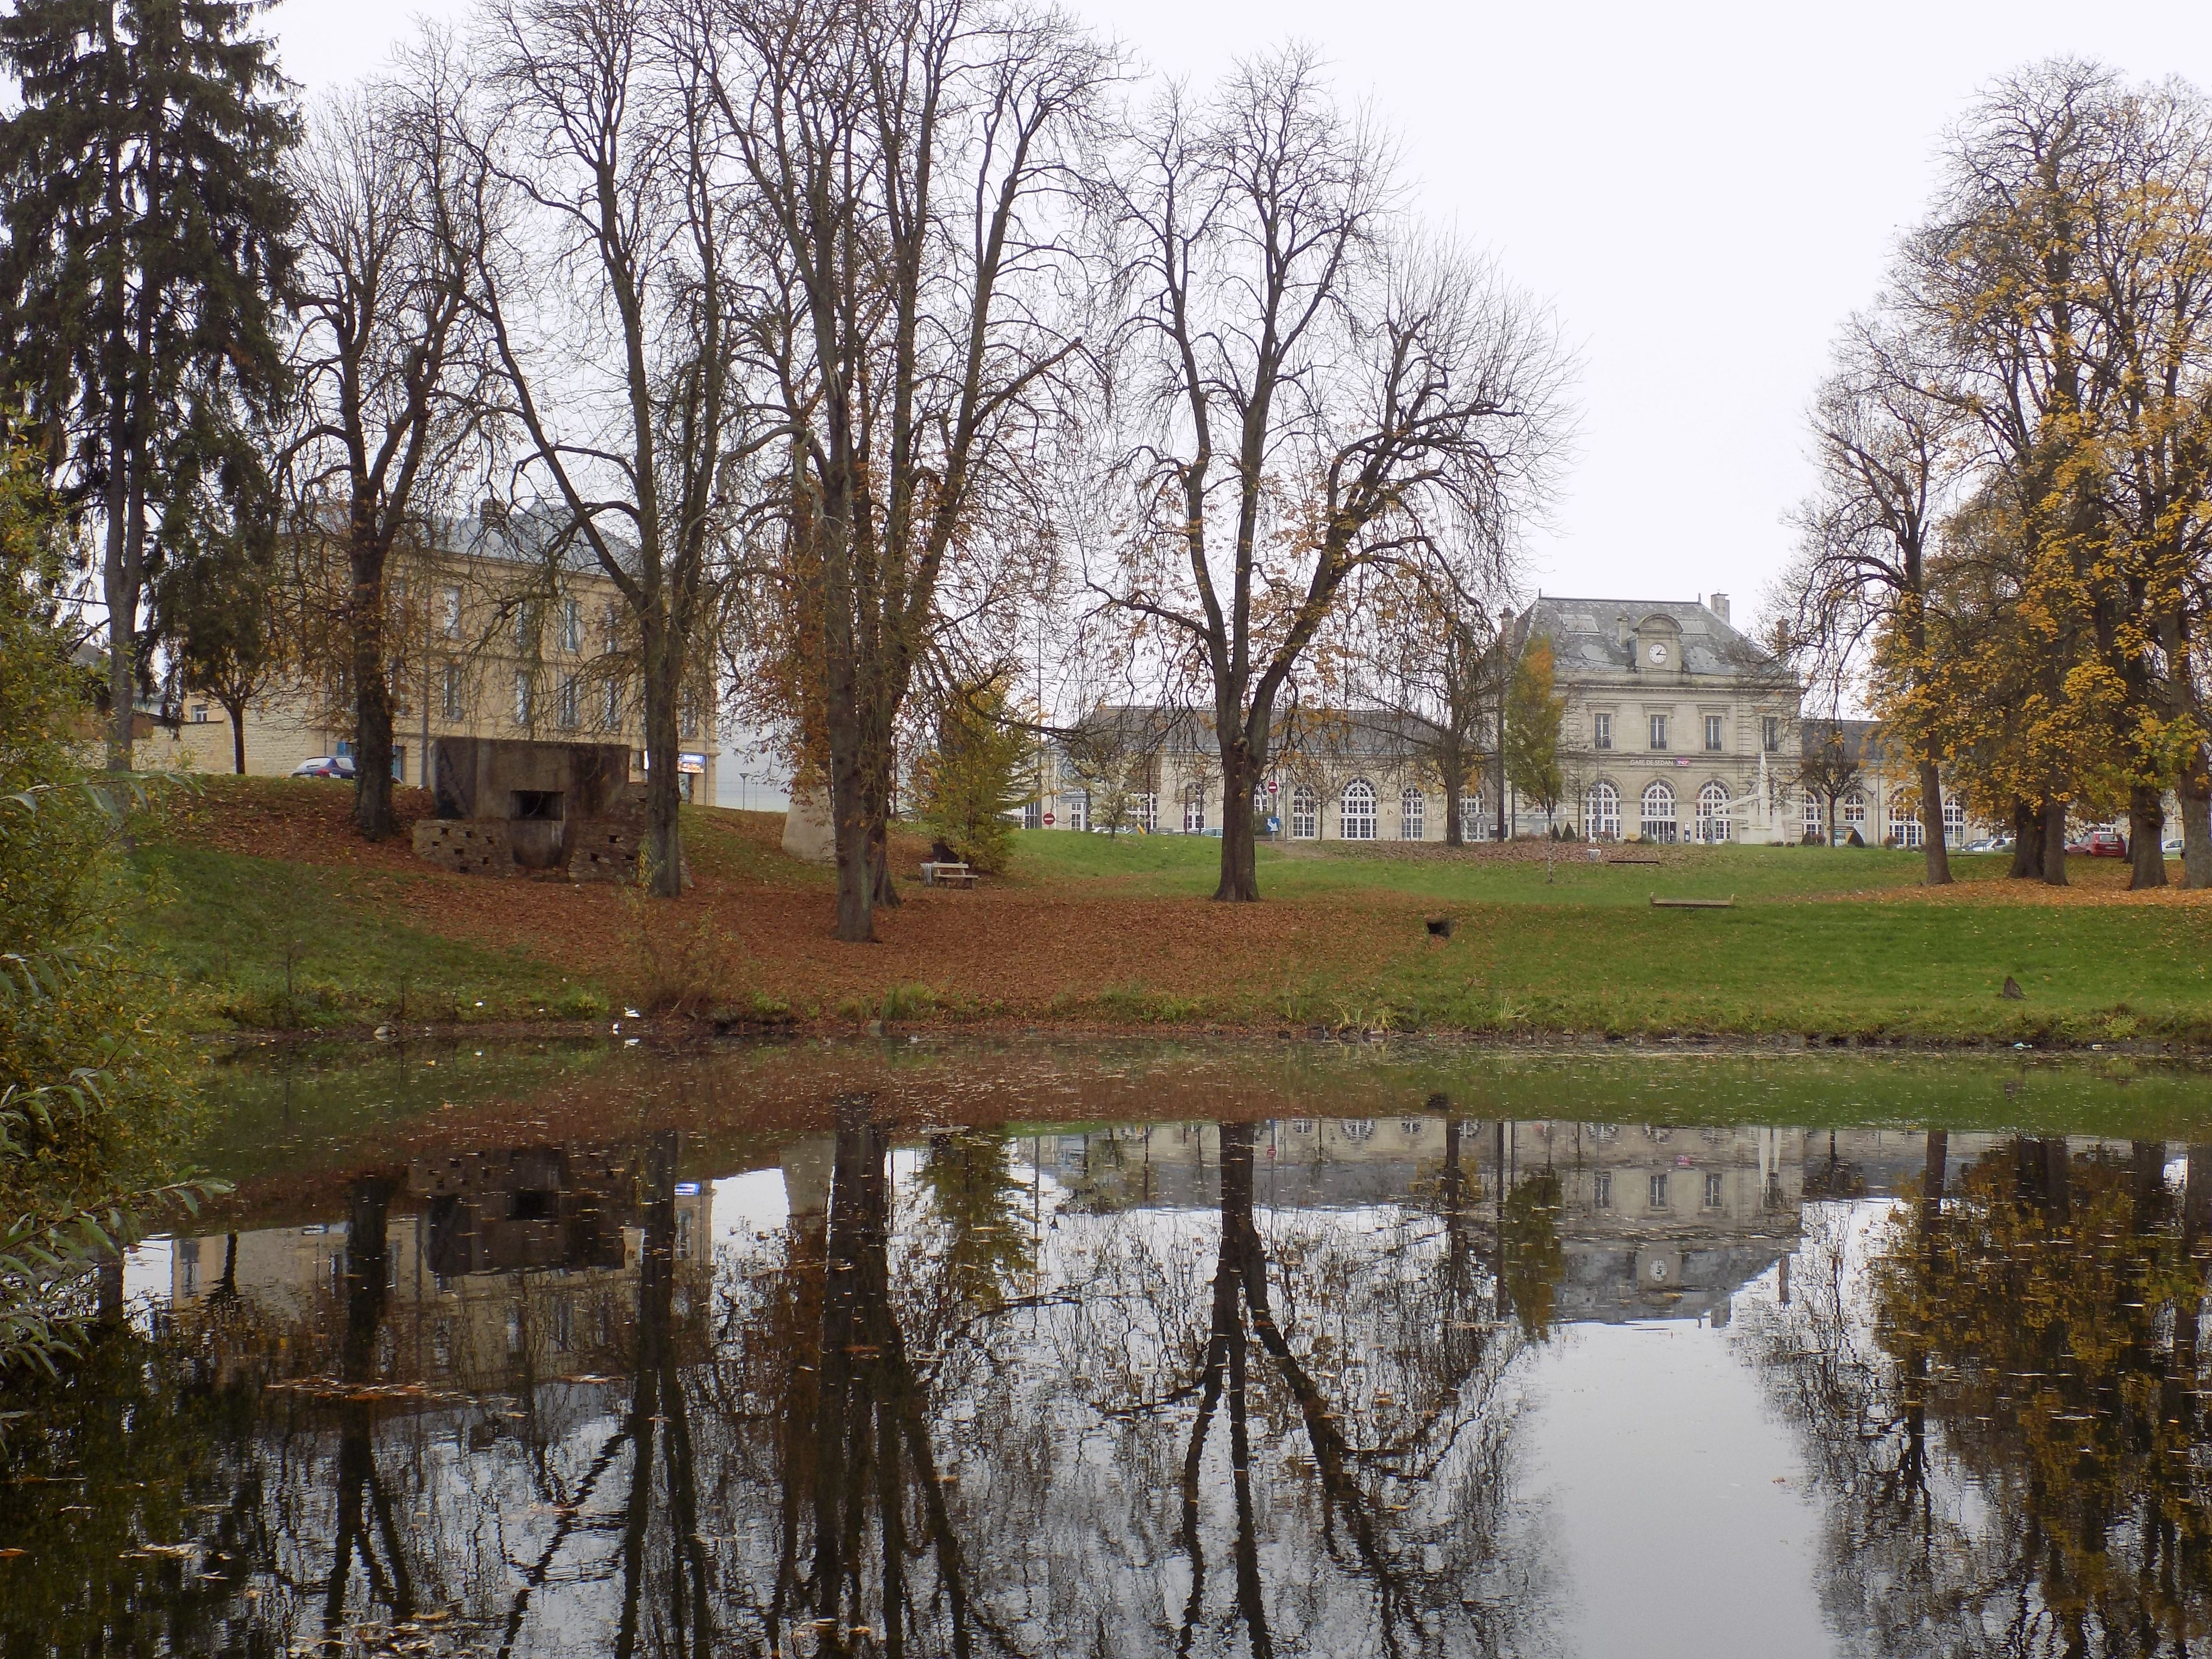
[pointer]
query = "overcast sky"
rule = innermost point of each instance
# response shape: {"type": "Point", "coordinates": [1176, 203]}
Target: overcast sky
{"type": "Point", "coordinates": [1703, 192]}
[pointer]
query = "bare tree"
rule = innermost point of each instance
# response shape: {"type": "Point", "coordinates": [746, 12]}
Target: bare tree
{"type": "Point", "coordinates": [911, 162]}
{"type": "Point", "coordinates": [1832, 770]}
{"type": "Point", "coordinates": [1426, 664]}
{"type": "Point", "coordinates": [1885, 448]}
{"type": "Point", "coordinates": [392, 383]}
{"type": "Point", "coordinates": [1115, 754]}
{"type": "Point", "coordinates": [606, 276]}
{"type": "Point", "coordinates": [1314, 391]}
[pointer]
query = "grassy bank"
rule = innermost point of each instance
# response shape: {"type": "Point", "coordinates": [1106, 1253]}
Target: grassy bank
{"type": "Point", "coordinates": [263, 912]}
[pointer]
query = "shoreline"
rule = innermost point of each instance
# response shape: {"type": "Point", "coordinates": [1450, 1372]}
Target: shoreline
{"type": "Point", "coordinates": [667, 1031]}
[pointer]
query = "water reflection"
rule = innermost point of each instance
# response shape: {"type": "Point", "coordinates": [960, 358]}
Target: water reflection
{"type": "Point", "coordinates": [1192, 1387]}
{"type": "Point", "coordinates": [2000, 1381]}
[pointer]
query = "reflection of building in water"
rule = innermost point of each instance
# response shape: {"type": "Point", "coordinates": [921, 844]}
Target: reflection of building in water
{"type": "Point", "coordinates": [1654, 1223]}
{"type": "Point", "coordinates": [521, 1262]}
{"type": "Point", "coordinates": [1666, 1223]}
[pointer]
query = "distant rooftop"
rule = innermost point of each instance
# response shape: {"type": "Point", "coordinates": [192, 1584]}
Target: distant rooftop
{"type": "Point", "coordinates": [1585, 634]}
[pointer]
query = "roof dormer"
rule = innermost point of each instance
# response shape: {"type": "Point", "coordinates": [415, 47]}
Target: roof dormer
{"type": "Point", "coordinates": [1658, 644]}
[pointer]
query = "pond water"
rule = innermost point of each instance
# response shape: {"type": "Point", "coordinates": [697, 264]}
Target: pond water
{"type": "Point", "coordinates": [931, 1350]}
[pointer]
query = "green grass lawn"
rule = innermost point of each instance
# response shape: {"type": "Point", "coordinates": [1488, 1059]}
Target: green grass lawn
{"type": "Point", "coordinates": [1165, 865]}
{"type": "Point", "coordinates": [1822, 942]}
{"type": "Point", "coordinates": [256, 943]}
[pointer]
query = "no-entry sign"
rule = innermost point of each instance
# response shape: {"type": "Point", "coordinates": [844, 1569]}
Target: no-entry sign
{"type": "Point", "coordinates": [1047, 820]}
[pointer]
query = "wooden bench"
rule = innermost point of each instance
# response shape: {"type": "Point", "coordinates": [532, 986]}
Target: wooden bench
{"type": "Point", "coordinates": [947, 875]}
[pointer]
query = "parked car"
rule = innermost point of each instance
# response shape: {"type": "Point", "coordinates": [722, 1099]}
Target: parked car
{"type": "Point", "coordinates": [2102, 842]}
{"type": "Point", "coordinates": [325, 766]}
{"type": "Point", "coordinates": [1990, 844]}
{"type": "Point", "coordinates": [2171, 847]}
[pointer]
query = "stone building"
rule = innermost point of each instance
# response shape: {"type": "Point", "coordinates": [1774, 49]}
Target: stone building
{"type": "Point", "coordinates": [1335, 774]}
{"type": "Point", "coordinates": [1880, 799]}
{"type": "Point", "coordinates": [493, 636]}
{"type": "Point", "coordinates": [1676, 728]}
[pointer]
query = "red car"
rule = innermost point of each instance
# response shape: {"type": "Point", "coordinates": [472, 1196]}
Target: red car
{"type": "Point", "coordinates": [2103, 843]}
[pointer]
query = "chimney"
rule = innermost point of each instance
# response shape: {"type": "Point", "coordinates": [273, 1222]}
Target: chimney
{"type": "Point", "coordinates": [1620, 628]}
{"type": "Point", "coordinates": [1717, 604]}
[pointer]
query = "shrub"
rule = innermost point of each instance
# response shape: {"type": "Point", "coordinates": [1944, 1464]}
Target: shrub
{"type": "Point", "coordinates": [93, 1110]}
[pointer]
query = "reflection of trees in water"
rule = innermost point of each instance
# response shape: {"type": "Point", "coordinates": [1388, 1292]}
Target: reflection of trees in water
{"type": "Point", "coordinates": [1296, 1437]}
{"type": "Point", "coordinates": [2001, 1387]}
{"type": "Point", "coordinates": [926, 1423]}
{"type": "Point", "coordinates": [354, 1505]}
{"type": "Point", "coordinates": [138, 1446]}
{"type": "Point", "coordinates": [365, 1529]}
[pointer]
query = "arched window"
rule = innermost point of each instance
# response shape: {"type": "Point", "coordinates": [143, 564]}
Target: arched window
{"type": "Point", "coordinates": [1854, 814]}
{"type": "Point", "coordinates": [1356, 812]}
{"type": "Point", "coordinates": [1713, 813]}
{"type": "Point", "coordinates": [1658, 813]}
{"type": "Point", "coordinates": [1954, 823]}
{"type": "Point", "coordinates": [1814, 821]}
{"type": "Point", "coordinates": [1193, 809]}
{"type": "Point", "coordinates": [1470, 818]}
{"type": "Point", "coordinates": [1357, 1128]}
{"type": "Point", "coordinates": [1904, 818]}
{"type": "Point", "coordinates": [1305, 814]}
{"type": "Point", "coordinates": [1601, 813]}
{"type": "Point", "coordinates": [1412, 815]}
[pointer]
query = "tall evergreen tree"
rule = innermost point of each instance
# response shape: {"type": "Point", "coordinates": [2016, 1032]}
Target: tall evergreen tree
{"type": "Point", "coordinates": [147, 243]}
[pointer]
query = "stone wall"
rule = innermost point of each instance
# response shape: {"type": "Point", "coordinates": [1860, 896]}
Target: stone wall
{"type": "Point", "coordinates": [468, 849]}
{"type": "Point", "coordinates": [601, 849]}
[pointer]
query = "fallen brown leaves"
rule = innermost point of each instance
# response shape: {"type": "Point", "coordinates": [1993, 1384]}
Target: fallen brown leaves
{"type": "Point", "coordinates": [2099, 882]}
{"type": "Point", "coordinates": [1001, 948]}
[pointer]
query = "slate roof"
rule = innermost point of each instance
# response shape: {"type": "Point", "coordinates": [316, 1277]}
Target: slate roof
{"type": "Point", "coordinates": [1585, 635]}
{"type": "Point", "coordinates": [524, 537]}
{"type": "Point", "coordinates": [1862, 739]}
{"type": "Point", "coordinates": [1180, 730]}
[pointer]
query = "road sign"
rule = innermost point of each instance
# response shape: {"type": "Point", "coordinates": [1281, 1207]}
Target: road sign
{"type": "Point", "coordinates": [1272, 786]}
{"type": "Point", "coordinates": [1047, 820]}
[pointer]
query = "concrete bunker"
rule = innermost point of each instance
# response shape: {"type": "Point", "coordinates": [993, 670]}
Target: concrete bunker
{"type": "Point", "coordinates": [506, 806]}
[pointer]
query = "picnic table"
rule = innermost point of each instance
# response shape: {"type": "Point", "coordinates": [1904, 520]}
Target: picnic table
{"type": "Point", "coordinates": [935, 874]}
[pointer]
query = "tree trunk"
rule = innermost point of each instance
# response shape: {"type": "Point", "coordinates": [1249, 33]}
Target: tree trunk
{"type": "Point", "coordinates": [1240, 769]}
{"type": "Point", "coordinates": [1931, 826]}
{"type": "Point", "coordinates": [852, 827]}
{"type": "Point", "coordinates": [121, 584]}
{"type": "Point", "coordinates": [118, 585]}
{"type": "Point", "coordinates": [237, 712]}
{"type": "Point", "coordinates": [372, 691]}
{"type": "Point", "coordinates": [2027, 843]}
{"type": "Point", "coordinates": [664, 838]}
{"type": "Point", "coordinates": [121, 593]}
{"type": "Point", "coordinates": [2054, 843]}
{"type": "Point", "coordinates": [2194, 793]}
{"type": "Point", "coordinates": [2146, 837]}
{"type": "Point", "coordinates": [1453, 772]}
{"type": "Point", "coordinates": [1499, 777]}
{"type": "Point", "coordinates": [884, 891]}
